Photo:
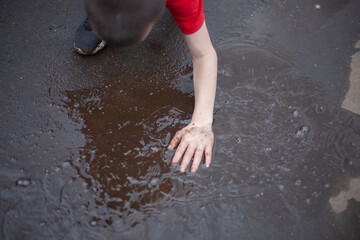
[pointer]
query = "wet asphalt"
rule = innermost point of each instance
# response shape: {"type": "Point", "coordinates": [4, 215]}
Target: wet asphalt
{"type": "Point", "coordinates": [82, 139]}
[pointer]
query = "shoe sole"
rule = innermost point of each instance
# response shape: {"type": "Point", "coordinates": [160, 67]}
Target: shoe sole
{"type": "Point", "coordinates": [98, 48]}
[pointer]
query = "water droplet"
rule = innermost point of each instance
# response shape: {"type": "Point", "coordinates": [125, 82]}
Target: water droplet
{"type": "Point", "coordinates": [295, 113]}
{"type": "Point", "coordinates": [301, 132]}
{"type": "Point", "coordinates": [65, 164]}
{"type": "Point", "coordinates": [268, 149]}
{"type": "Point", "coordinates": [23, 182]}
{"type": "Point", "coordinates": [304, 129]}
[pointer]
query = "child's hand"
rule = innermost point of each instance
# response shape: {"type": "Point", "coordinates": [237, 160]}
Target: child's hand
{"type": "Point", "coordinates": [192, 141]}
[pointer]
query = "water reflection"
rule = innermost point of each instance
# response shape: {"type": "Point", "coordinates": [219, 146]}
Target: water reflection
{"type": "Point", "coordinates": [124, 161]}
{"type": "Point", "coordinates": [278, 147]}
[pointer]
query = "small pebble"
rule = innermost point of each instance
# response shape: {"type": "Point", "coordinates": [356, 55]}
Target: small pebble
{"type": "Point", "coordinates": [317, 6]}
{"type": "Point", "coordinates": [319, 109]}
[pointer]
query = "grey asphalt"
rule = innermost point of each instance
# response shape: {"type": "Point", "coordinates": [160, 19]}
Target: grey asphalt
{"type": "Point", "coordinates": [287, 153]}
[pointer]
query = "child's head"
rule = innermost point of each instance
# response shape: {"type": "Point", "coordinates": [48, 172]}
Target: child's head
{"type": "Point", "coordinates": [123, 22]}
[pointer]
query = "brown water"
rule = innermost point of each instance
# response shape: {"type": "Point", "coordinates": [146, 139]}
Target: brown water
{"type": "Point", "coordinates": [84, 140]}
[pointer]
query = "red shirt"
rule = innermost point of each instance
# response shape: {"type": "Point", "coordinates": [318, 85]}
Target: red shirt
{"type": "Point", "coordinates": [188, 14]}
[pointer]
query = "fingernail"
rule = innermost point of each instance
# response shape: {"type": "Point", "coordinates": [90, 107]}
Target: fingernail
{"type": "Point", "coordinates": [207, 165]}
{"type": "Point", "coordinates": [182, 170]}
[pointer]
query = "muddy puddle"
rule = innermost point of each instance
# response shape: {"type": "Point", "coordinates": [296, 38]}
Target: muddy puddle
{"type": "Point", "coordinates": [286, 160]}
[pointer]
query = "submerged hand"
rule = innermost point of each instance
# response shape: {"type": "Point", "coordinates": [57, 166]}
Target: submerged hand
{"type": "Point", "coordinates": [192, 141]}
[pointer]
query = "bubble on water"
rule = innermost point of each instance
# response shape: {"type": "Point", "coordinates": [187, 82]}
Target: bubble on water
{"type": "Point", "coordinates": [285, 169]}
{"type": "Point", "coordinates": [301, 132]}
{"type": "Point", "coordinates": [93, 223]}
{"type": "Point", "coordinates": [304, 129]}
{"type": "Point", "coordinates": [23, 182]}
{"type": "Point", "coordinates": [268, 149]}
{"type": "Point", "coordinates": [65, 164]}
{"type": "Point", "coordinates": [295, 113]}
{"type": "Point", "coordinates": [13, 159]}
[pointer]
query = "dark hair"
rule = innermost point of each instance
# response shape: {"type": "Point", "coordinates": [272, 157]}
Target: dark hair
{"type": "Point", "coordinates": [123, 22]}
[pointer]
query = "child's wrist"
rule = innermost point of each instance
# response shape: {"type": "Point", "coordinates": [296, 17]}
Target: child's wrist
{"type": "Point", "coordinates": [201, 122]}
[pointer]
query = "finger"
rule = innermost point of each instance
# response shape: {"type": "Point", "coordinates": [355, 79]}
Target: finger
{"type": "Point", "coordinates": [197, 159]}
{"type": "Point", "coordinates": [175, 140]}
{"type": "Point", "coordinates": [179, 152]}
{"type": "Point", "coordinates": [208, 155]}
{"type": "Point", "coordinates": [187, 158]}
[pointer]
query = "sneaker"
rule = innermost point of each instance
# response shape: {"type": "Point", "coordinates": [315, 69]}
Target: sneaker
{"type": "Point", "coordinates": [86, 41]}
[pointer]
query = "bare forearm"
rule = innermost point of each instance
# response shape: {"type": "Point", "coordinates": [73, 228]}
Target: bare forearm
{"type": "Point", "coordinates": [197, 139]}
{"type": "Point", "coordinates": [205, 77]}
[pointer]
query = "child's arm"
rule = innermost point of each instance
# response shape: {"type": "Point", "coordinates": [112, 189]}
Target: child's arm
{"type": "Point", "coordinates": [197, 138]}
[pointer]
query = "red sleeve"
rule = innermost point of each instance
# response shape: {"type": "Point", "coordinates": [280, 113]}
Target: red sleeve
{"type": "Point", "coordinates": [188, 14]}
